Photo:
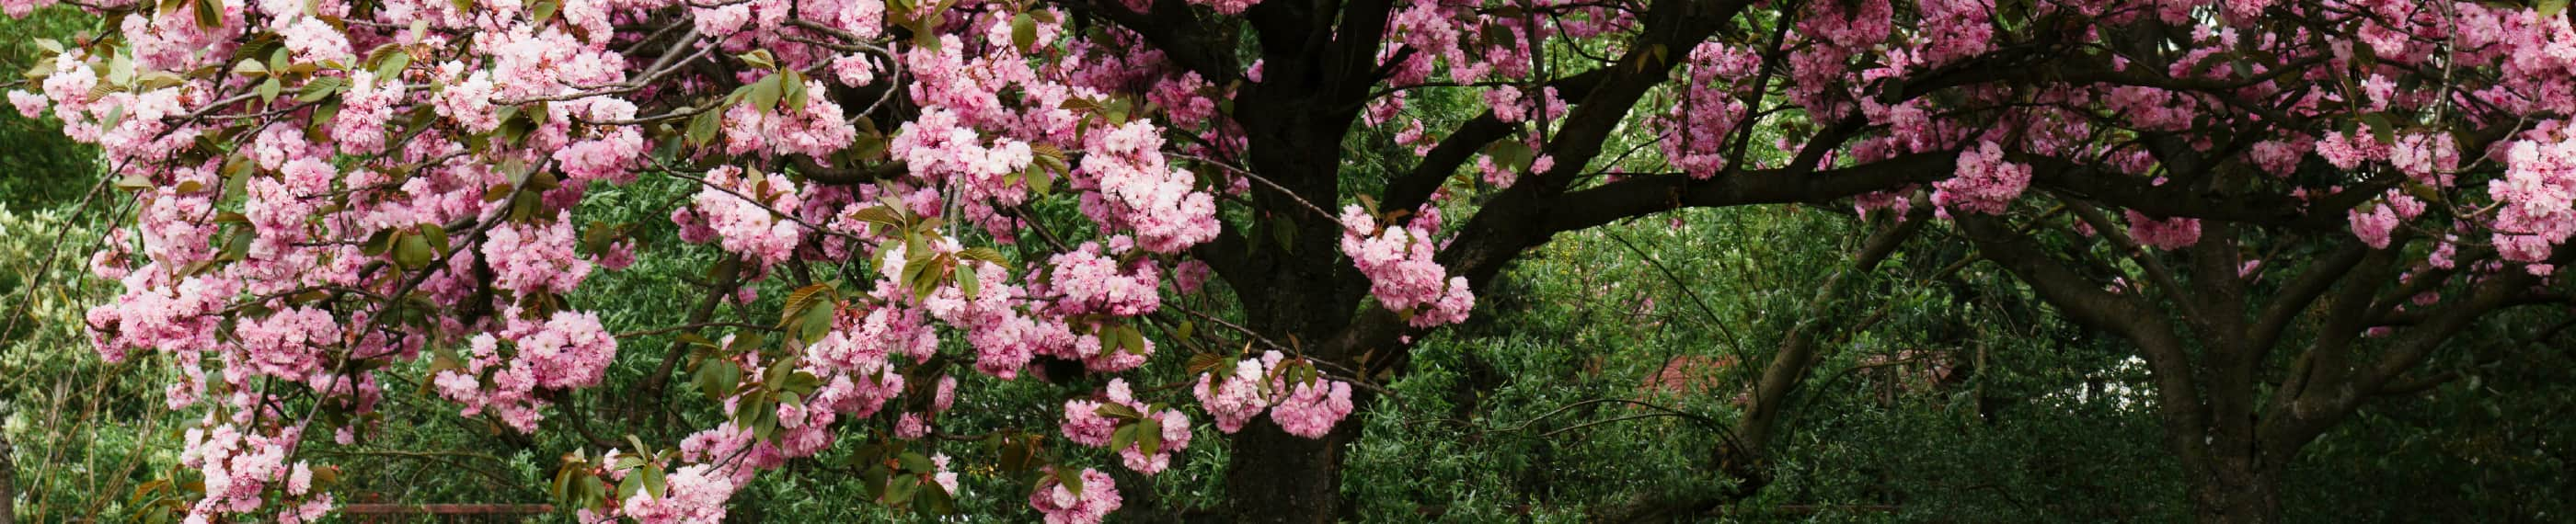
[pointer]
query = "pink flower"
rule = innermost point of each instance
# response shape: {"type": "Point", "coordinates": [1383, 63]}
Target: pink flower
{"type": "Point", "coordinates": [2538, 194]}
{"type": "Point", "coordinates": [1188, 276]}
{"type": "Point", "coordinates": [2374, 225]}
{"type": "Point", "coordinates": [1092, 283]}
{"type": "Point", "coordinates": [29, 105]}
{"type": "Point", "coordinates": [313, 40]}
{"type": "Point", "coordinates": [288, 344]}
{"type": "Point", "coordinates": [1227, 6]}
{"type": "Point", "coordinates": [746, 212]}
{"type": "Point", "coordinates": [569, 351]}
{"type": "Point", "coordinates": [2166, 233]}
{"type": "Point", "coordinates": [1402, 274]}
{"type": "Point", "coordinates": [535, 257]}
{"type": "Point", "coordinates": [1310, 410]}
{"type": "Point", "coordinates": [1234, 398]}
{"type": "Point", "coordinates": [1083, 424]}
{"type": "Point", "coordinates": [692, 494]}
{"type": "Point", "coordinates": [1984, 182]}
{"type": "Point", "coordinates": [1060, 505]}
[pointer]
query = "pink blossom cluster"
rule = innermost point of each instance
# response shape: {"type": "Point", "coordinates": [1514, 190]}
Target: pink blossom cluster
{"type": "Point", "coordinates": [1227, 6]}
{"type": "Point", "coordinates": [1953, 30]}
{"type": "Point", "coordinates": [532, 258]}
{"type": "Point", "coordinates": [567, 351]}
{"type": "Point", "coordinates": [1983, 183]}
{"type": "Point", "coordinates": [487, 100]}
{"type": "Point", "coordinates": [1094, 283]}
{"type": "Point", "coordinates": [598, 152]}
{"type": "Point", "coordinates": [2427, 158]}
{"type": "Point", "coordinates": [817, 130]}
{"type": "Point", "coordinates": [1133, 187]}
{"type": "Point", "coordinates": [691, 494]}
{"type": "Point", "coordinates": [938, 146]}
{"type": "Point", "coordinates": [748, 214]}
{"type": "Point", "coordinates": [240, 470]}
{"type": "Point", "coordinates": [2538, 193]}
{"type": "Point", "coordinates": [288, 345]}
{"type": "Point", "coordinates": [1401, 272]}
{"type": "Point", "coordinates": [2373, 223]}
{"type": "Point", "coordinates": [863, 339]}
{"type": "Point", "coordinates": [1304, 409]}
{"type": "Point", "coordinates": [2348, 151]}
{"type": "Point", "coordinates": [1704, 123]}
{"type": "Point", "coordinates": [1060, 504]}
{"type": "Point", "coordinates": [361, 125]}
{"type": "Point", "coordinates": [2163, 233]}
{"type": "Point", "coordinates": [1083, 424]}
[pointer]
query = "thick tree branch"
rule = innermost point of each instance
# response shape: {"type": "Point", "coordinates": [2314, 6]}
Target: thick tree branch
{"type": "Point", "coordinates": [2178, 402]}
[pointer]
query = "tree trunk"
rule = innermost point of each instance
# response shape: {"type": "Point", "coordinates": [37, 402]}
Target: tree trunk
{"type": "Point", "coordinates": [1278, 477]}
{"type": "Point", "coordinates": [8, 484]}
{"type": "Point", "coordinates": [2236, 492]}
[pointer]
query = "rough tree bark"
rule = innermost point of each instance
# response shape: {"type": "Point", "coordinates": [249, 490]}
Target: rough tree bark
{"type": "Point", "coordinates": [8, 484]}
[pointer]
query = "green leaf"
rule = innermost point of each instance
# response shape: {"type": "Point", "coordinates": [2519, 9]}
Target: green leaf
{"type": "Point", "coordinates": [318, 88]}
{"type": "Point", "coordinates": [1016, 453]}
{"type": "Point", "coordinates": [983, 253]}
{"type": "Point", "coordinates": [884, 215]}
{"type": "Point", "coordinates": [393, 65]}
{"type": "Point", "coordinates": [653, 482]}
{"type": "Point", "coordinates": [760, 58]}
{"type": "Point", "coordinates": [2550, 8]}
{"type": "Point", "coordinates": [915, 463]}
{"type": "Point", "coordinates": [1132, 339]}
{"type": "Point", "coordinates": [765, 93]}
{"type": "Point", "coordinates": [563, 479]}
{"type": "Point", "coordinates": [1041, 182]}
{"type": "Point", "coordinates": [542, 10]}
{"type": "Point", "coordinates": [1024, 31]}
{"type": "Point", "coordinates": [1123, 438]}
{"type": "Point", "coordinates": [718, 379]}
{"type": "Point", "coordinates": [966, 281]}
{"type": "Point", "coordinates": [209, 15]}
{"type": "Point", "coordinates": [801, 299]}
{"type": "Point", "coordinates": [627, 489]}
{"type": "Point", "coordinates": [900, 490]}
{"type": "Point", "coordinates": [2380, 128]}
{"type": "Point", "coordinates": [378, 243]}
{"type": "Point", "coordinates": [1118, 411]}
{"type": "Point", "coordinates": [238, 247]}
{"type": "Point", "coordinates": [1510, 154]}
{"type": "Point", "coordinates": [702, 128]}
{"type": "Point", "coordinates": [1149, 435]}
{"type": "Point", "coordinates": [444, 359]}
{"type": "Point", "coordinates": [437, 236]}
{"type": "Point", "coordinates": [794, 95]}
{"type": "Point", "coordinates": [412, 252]}
{"type": "Point", "coordinates": [1207, 362]}
{"type": "Point", "coordinates": [936, 500]}
{"type": "Point", "coordinates": [801, 383]}
{"type": "Point", "coordinates": [249, 67]}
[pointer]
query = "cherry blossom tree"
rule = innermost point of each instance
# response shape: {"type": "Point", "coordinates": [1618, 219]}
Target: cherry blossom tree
{"type": "Point", "coordinates": [329, 194]}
